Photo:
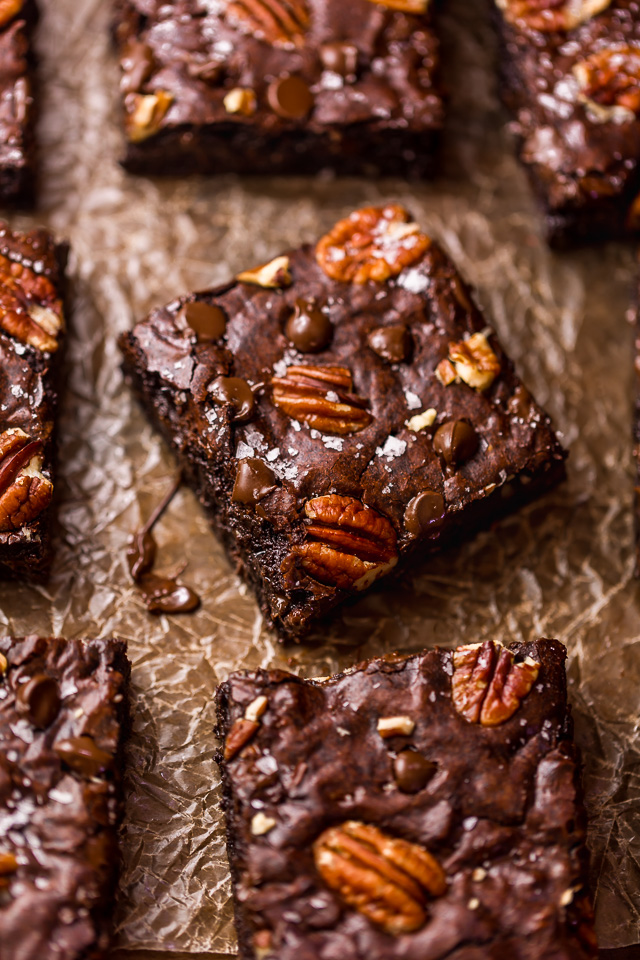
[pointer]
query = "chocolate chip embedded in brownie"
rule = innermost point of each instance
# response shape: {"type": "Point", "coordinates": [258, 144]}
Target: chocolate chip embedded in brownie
{"type": "Point", "coordinates": [17, 113]}
{"type": "Point", "coordinates": [62, 713]}
{"type": "Point", "coordinates": [571, 78]}
{"type": "Point", "coordinates": [356, 411]}
{"type": "Point", "coordinates": [31, 335]}
{"type": "Point", "coordinates": [266, 86]}
{"type": "Point", "coordinates": [419, 807]}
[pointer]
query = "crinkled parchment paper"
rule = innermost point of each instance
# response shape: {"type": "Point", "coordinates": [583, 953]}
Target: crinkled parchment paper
{"type": "Point", "coordinates": [561, 568]}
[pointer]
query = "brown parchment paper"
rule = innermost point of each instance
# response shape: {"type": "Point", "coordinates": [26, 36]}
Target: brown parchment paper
{"type": "Point", "coordinates": [561, 568]}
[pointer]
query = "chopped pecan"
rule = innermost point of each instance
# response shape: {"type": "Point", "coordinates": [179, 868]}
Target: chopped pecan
{"type": "Point", "coordinates": [24, 491]}
{"type": "Point", "coordinates": [30, 311]}
{"type": "Point", "coordinates": [145, 113]}
{"type": "Point", "coordinates": [241, 100]}
{"type": "Point", "coordinates": [609, 84]}
{"type": "Point", "coordinates": [282, 23]}
{"type": "Point", "coordinates": [321, 397]}
{"type": "Point", "coordinates": [374, 243]}
{"type": "Point", "coordinates": [385, 878]}
{"type": "Point", "coordinates": [241, 732]}
{"type": "Point", "coordinates": [472, 361]}
{"type": "Point", "coordinates": [271, 275]}
{"type": "Point", "coordinates": [488, 685]}
{"type": "Point", "coordinates": [547, 16]}
{"type": "Point", "coordinates": [349, 545]}
{"type": "Point", "coordinates": [407, 6]}
{"type": "Point", "coordinates": [8, 865]}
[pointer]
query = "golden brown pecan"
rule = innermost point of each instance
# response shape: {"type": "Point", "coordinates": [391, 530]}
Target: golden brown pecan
{"type": "Point", "coordinates": [321, 397]}
{"type": "Point", "coordinates": [241, 732]}
{"type": "Point", "coordinates": [407, 6]}
{"type": "Point", "coordinates": [272, 275]}
{"type": "Point", "coordinates": [385, 878]}
{"type": "Point", "coordinates": [374, 243]}
{"type": "Point", "coordinates": [24, 491]}
{"type": "Point", "coordinates": [547, 16]}
{"type": "Point", "coordinates": [9, 9]}
{"type": "Point", "coordinates": [609, 84]}
{"type": "Point", "coordinates": [472, 361]}
{"type": "Point", "coordinates": [488, 685]}
{"type": "Point", "coordinates": [145, 113]}
{"type": "Point", "coordinates": [349, 545]}
{"type": "Point", "coordinates": [8, 865]}
{"type": "Point", "coordinates": [282, 23]}
{"type": "Point", "coordinates": [241, 100]}
{"type": "Point", "coordinates": [30, 311]}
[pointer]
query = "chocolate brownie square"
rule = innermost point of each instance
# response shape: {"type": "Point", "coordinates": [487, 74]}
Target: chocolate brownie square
{"type": "Point", "coordinates": [417, 808]}
{"type": "Point", "coordinates": [274, 86]}
{"type": "Point", "coordinates": [17, 111]}
{"type": "Point", "coordinates": [570, 74]}
{"type": "Point", "coordinates": [63, 711]}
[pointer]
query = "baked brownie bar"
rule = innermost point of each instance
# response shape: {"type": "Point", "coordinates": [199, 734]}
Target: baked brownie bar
{"type": "Point", "coordinates": [571, 77]}
{"type": "Point", "coordinates": [272, 86]}
{"type": "Point", "coordinates": [338, 410]}
{"type": "Point", "coordinates": [17, 113]}
{"type": "Point", "coordinates": [417, 808]}
{"type": "Point", "coordinates": [62, 714]}
{"type": "Point", "coordinates": [31, 333]}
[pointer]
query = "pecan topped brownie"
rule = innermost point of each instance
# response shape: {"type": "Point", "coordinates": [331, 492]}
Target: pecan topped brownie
{"type": "Point", "coordinates": [17, 113]}
{"type": "Point", "coordinates": [338, 410]}
{"type": "Point", "coordinates": [267, 86]}
{"type": "Point", "coordinates": [416, 808]}
{"type": "Point", "coordinates": [571, 76]}
{"type": "Point", "coordinates": [31, 334]}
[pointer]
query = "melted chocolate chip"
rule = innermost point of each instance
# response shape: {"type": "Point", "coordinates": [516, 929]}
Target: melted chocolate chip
{"type": "Point", "coordinates": [205, 319]}
{"type": "Point", "coordinates": [290, 98]}
{"type": "Point", "coordinates": [235, 392]}
{"type": "Point", "coordinates": [520, 403]}
{"type": "Point", "coordinates": [424, 514]}
{"type": "Point", "coordinates": [254, 480]}
{"type": "Point", "coordinates": [308, 328]}
{"type": "Point", "coordinates": [166, 595]}
{"type": "Point", "coordinates": [38, 700]}
{"type": "Point", "coordinates": [392, 343]}
{"type": "Point", "coordinates": [340, 58]}
{"type": "Point", "coordinates": [455, 442]}
{"type": "Point", "coordinates": [412, 771]}
{"type": "Point", "coordinates": [83, 755]}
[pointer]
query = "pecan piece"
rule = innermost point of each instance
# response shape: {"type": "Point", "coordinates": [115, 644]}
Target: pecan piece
{"type": "Point", "coordinates": [547, 16]}
{"type": "Point", "coordinates": [145, 113]}
{"type": "Point", "coordinates": [281, 23]}
{"type": "Point", "coordinates": [609, 84]}
{"type": "Point", "coordinates": [244, 728]}
{"type": "Point", "coordinates": [488, 685]}
{"type": "Point", "coordinates": [24, 491]}
{"type": "Point", "coordinates": [8, 865]}
{"type": "Point", "coordinates": [385, 878]}
{"type": "Point", "coordinates": [472, 361]}
{"type": "Point", "coordinates": [374, 243]}
{"type": "Point", "coordinates": [9, 9]}
{"type": "Point", "coordinates": [349, 545]}
{"type": "Point", "coordinates": [321, 397]}
{"type": "Point", "coordinates": [406, 6]}
{"type": "Point", "coordinates": [30, 311]}
{"type": "Point", "coordinates": [241, 100]}
{"type": "Point", "coordinates": [273, 275]}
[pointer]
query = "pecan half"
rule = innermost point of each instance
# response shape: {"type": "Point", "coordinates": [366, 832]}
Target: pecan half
{"type": "Point", "coordinates": [472, 361]}
{"type": "Point", "coordinates": [488, 685]}
{"type": "Point", "coordinates": [547, 16]}
{"type": "Point", "coordinates": [321, 397]}
{"type": "Point", "coordinates": [374, 243]}
{"type": "Point", "coordinates": [349, 545]}
{"type": "Point", "coordinates": [282, 23]}
{"type": "Point", "coordinates": [9, 9]}
{"type": "Point", "coordinates": [30, 311]}
{"type": "Point", "coordinates": [609, 84]}
{"type": "Point", "coordinates": [387, 879]}
{"type": "Point", "coordinates": [24, 491]}
{"type": "Point", "coordinates": [145, 113]}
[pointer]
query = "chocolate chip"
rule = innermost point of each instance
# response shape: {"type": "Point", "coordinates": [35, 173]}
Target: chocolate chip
{"type": "Point", "coordinates": [166, 595]}
{"type": "Point", "coordinates": [83, 755]}
{"type": "Point", "coordinates": [340, 58]}
{"type": "Point", "coordinates": [137, 64]}
{"type": "Point", "coordinates": [455, 441]}
{"type": "Point", "coordinates": [207, 320]}
{"type": "Point", "coordinates": [520, 404]}
{"type": "Point", "coordinates": [38, 700]}
{"type": "Point", "coordinates": [254, 480]}
{"type": "Point", "coordinates": [308, 328]}
{"type": "Point", "coordinates": [412, 771]}
{"type": "Point", "coordinates": [392, 343]}
{"type": "Point", "coordinates": [424, 514]}
{"type": "Point", "coordinates": [290, 98]}
{"type": "Point", "coordinates": [237, 393]}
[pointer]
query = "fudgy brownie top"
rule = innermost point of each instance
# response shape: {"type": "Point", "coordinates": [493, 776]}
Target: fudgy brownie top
{"type": "Point", "coordinates": [61, 709]}
{"type": "Point", "coordinates": [277, 64]}
{"type": "Point", "coordinates": [575, 86]}
{"type": "Point", "coordinates": [415, 807]}
{"type": "Point", "coordinates": [16, 103]}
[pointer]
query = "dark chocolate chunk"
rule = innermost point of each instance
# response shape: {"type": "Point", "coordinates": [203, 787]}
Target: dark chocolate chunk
{"type": "Point", "coordinates": [455, 441]}
{"type": "Point", "coordinates": [341, 58]}
{"type": "Point", "coordinates": [290, 97]}
{"type": "Point", "coordinates": [425, 514]}
{"type": "Point", "coordinates": [236, 393]}
{"type": "Point", "coordinates": [412, 771]}
{"type": "Point", "coordinates": [308, 328]}
{"type": "Point", "coordinates": [84, 755]}
{"type": "Point", "coordinates": [254, 481]}
{"type": "Point", "coordinates": [392, 343]}
{"type": "Point", "coordinates": [206, 319]}
{"type": "Point", "coordinates": [38, 700]}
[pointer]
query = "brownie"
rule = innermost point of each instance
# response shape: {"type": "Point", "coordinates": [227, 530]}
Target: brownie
{"type": "Point", "coordinates": [413, 807]}
{"type": "Point", "coordinates": [340, 410]}
{"type": "Point", "coordinates": [31, 336]}
{"type": "Point", "coordinates": [63, 712]}
{"type": "Point", "coordinates": [17, 112]}
{"type": "Point", "coordinates": [274, 86]}
{"type": "Point", "coordinates": [571, 78]}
